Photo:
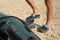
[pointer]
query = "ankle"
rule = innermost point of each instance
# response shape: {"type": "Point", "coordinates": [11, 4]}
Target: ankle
{"type": "Point", "coordinates": [48, 24]}
{"type": "Point", "coordinates": [35, 10]}
{"type": "Point", "coordinates": [35, 14]}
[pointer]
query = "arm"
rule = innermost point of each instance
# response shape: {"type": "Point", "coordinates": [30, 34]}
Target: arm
{"type": "Point", "coordinates": [49, 11]}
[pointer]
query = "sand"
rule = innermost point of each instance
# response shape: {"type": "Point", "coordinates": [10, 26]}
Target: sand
{"type": "Point", "coordinates": [21, 9]}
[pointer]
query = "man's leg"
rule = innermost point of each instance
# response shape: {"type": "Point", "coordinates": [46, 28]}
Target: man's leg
{"type": "Point", "coordinates": [45, 27]}
{"type": "Point", "coordinates": [49, 11]}
{"type": "Point", "coordinates": [34, 15]}
{"type": "Point", "coordinates": [33, 6]}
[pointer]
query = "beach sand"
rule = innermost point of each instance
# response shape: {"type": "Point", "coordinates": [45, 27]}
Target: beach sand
{"type": "Point", "coordinates": [21, 9]}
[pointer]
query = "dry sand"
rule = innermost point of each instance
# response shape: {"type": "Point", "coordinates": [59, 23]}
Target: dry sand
{"type": "Point", "coordinates": [21, 9]}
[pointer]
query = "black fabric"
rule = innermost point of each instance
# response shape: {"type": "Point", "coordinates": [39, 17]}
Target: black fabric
{"type": "Point", "coordinates": [3, 35]}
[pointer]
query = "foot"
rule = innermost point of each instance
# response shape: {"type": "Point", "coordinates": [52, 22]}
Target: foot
{"type": "Point", "coordinates": [31, 18]}
{"type": "Point", "coordinates": [35, 16]}
{"type": "Point", "coordinates": [43, 29]}
{"type": "Point", "coordinates": [36, 13]}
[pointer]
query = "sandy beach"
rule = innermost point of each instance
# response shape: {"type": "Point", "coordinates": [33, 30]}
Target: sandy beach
{"type": "Point", "coordinates": [21, 9]}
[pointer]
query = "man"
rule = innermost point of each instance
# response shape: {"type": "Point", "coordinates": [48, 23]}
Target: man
{"type": "Point", "coordinates": [36, 13]}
